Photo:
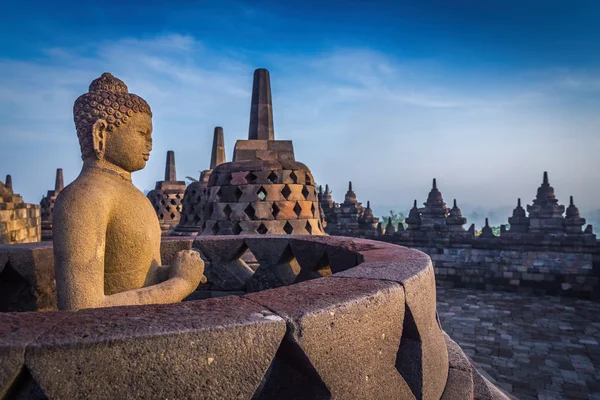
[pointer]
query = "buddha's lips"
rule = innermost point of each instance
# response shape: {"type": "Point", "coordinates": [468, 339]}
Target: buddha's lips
{"type": "Point", "coordinates": [146, 156]}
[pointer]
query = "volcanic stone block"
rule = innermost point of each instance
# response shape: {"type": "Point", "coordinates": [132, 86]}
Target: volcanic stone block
{"type": "Point", "coordinates": [254, 145]}
{"type": "Point", "coordinates": [346, 337]}
{"type": "Point", "coordinates": [305, 208]}
{"type": "Point", "coordinates": [250, 227]}
{"type": "Point", "coordinates": [212, 193]}
{"type": "Point", "coordinates": [238, 211]}
{"type": "Point", "coordinates": [262, 210]}
{"type": "Point", "coordinates": [275, 227]}
{"type": "Point", "coordinates": [416, 275]}
{"type": "Point", "coordinates": [284, 210]}
{"type": "Point", "coordinates": [274, 192]}
{"type": "Point", "coordinates": [280, 145]}
{"type": "Point", "coordinates": [238, 178]}
{"type": "Point", "coordinates": [224, 178]}
{"type": "Point", "coordinates": [249, 193]}
{"type": "Point", "coordinates": [459, 385]}
{"type": "Point", "coordinates": [34, 263]}
{"type": "Point", "coordinates": [17, 330]}
{"type": "Point", "coordinates": [185, 350]}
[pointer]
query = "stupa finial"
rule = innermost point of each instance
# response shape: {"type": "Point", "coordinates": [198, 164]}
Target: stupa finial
{"type": "Point", "coordinates": [261, 110]}
{"type": "Point", "coordinates": [59, 183]}
{"type": "Point", "coordinates": [170, 172]}
{"type": "Point", "coordinates": [217, 156]}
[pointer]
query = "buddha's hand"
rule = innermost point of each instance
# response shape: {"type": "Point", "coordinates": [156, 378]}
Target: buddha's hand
{"type": "Point", "coordinates": [189, 268]}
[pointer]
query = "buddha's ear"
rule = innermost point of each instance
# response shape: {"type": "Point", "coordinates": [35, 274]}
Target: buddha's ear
{"type": "Point", "coordinates": [99, 138]}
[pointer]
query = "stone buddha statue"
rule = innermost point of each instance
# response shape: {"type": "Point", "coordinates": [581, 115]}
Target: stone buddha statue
{"type": "Point", "coordinates": [106, 233]}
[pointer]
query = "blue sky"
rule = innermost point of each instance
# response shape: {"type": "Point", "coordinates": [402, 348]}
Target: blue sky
{"type": "Point", "coordinates": [482, 95]}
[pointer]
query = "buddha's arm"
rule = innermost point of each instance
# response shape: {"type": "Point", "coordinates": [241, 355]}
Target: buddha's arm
{"type": "Point", "coordinates": [79, 247]}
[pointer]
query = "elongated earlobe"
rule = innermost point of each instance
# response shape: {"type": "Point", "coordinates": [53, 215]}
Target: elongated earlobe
{"type": "Point", "coordinates": [99, 136]}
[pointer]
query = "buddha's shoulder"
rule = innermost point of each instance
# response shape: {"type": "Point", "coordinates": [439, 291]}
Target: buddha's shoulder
{"type": "Point", "coordinates": [86, 190]}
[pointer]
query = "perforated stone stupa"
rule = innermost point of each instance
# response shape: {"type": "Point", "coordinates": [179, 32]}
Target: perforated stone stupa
{"type": "Point", "coordinates": [264, 190]}
{"type": "Point", "coordinates": [167, 196]}
{"type": "Point", "coordinates": [192, 211]}
{"type": "Point", "coordinates": [47, 205]}
{"type": "Point", "coordinates": [19, 221]}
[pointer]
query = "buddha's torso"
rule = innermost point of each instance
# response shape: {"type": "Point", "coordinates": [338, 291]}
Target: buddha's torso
{"type": "Point", "coordinates": [132, 237]}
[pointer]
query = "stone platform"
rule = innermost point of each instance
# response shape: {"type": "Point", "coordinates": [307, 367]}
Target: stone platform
{"type": "Point", "coordinates": [535, 347]}
{"type": "Point", "coordinates": [369, 330]}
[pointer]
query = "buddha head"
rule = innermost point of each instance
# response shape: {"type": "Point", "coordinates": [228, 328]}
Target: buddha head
{"type": "Point", "coordinates": [113, 125]}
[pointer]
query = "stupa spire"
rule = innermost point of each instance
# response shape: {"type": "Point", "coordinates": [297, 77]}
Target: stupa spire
{"type": "Point", "coordinates": [170, 172]}
{"type": "Point", "coordinates": [8, 182]}
{"type": "Point", "coordinates": [59, 183]}
{"type": "Point", "coordinates": [261, 110]}
{"type": "Point", "coordinates": [217, 156]}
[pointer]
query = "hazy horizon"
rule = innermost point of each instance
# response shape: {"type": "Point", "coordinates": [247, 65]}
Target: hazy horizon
{"type": "Point", "coordinates": [483, 97]}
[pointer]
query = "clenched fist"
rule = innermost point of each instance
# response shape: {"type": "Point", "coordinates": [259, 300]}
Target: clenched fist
{"type": "Point", "coordinates": [188, 267]}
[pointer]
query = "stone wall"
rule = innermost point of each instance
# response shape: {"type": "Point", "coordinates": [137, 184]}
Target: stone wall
{"type": "Point", "coordinates": [541, 272]}
{"type": "Point", "coordinates": [19, 223]}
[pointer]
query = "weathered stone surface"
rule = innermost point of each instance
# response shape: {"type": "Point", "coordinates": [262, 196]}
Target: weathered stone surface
{"type": "Point", "coordinates": [106, 235]}
{"type": "Point", "coordinates": [17, 331]}
{"type": "Point", "coordinates": [456, 357]}
{"type": "Point", "coordinates": [459, 385]}
{"type": "Point", "coordinates": [426, 340]}
{"type": "Point", "coordinates": [346, 332]}
{"type": "Point", "coordinates": [261, 110]}
{"type": "Point", "coordinates": [34, 263]}
{"type": "Point", "coordinates": [210, 349]}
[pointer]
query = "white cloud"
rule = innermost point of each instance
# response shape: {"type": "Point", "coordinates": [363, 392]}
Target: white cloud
{"type": "Point", "coordinates": [389, 125]}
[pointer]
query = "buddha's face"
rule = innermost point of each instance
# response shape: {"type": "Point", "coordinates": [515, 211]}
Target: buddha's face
{"type": "Point", "coordinates": [129, 145]}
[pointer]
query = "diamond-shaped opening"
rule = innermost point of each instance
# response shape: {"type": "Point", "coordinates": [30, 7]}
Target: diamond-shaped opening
{"type": "Point", "coordinates": [237, 229]}
{"type": "Point", "coordinates": [262, 194]}
{"type": "Point", "coordinates": [173, 201]}
{"type": "Point", "coordinates": [275, 210]}
{"type": "Point", "coordinates": [286, 191]}
{"type": "Point", "coordinates": [215, 228]}
{"type": "Point", "coordinates": [293, 177]}
{"type": "Point", "coordinates": [250, 177]}
{"type": "Point", "coordinates": [172, 215]}
{"type": "Point", "coordinates": [219, 194]}
{"type": "Point", "coordinates": [229, 178]}
{"type": "Point", "coordinates": [161, 216]}
{"type": "Point", "coordinates": [156, 207]}
{"type": "Point", "coordinates": [178, 196]}
{"type": "Point", "coordinates": [308, 180]}
{"type": "Point", "coordinates": [305, 192]}
{"type": "Point", "coordinates": [288, 228]}
{"type": "Point", "coordinates": [162, 202]}
{"type": "Point", "coordinates": [262, 229]}
{"type": "Point", "coordinates": [298, 210]}
{"type": "Point", "coordinates": [238, 193]}
{"type": "Point", "coordinates": [250, 212]}
{"type": "Point", "coordinates": [168, 208]}
{"type": "Point", "coordinates": [227, 211]}
{"type": "Point", "coordinates": [312, 209]}
{"type": "Point", "coordinates": [272, 177]}
{"type": "Point", "coordinates": [309, 227]}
